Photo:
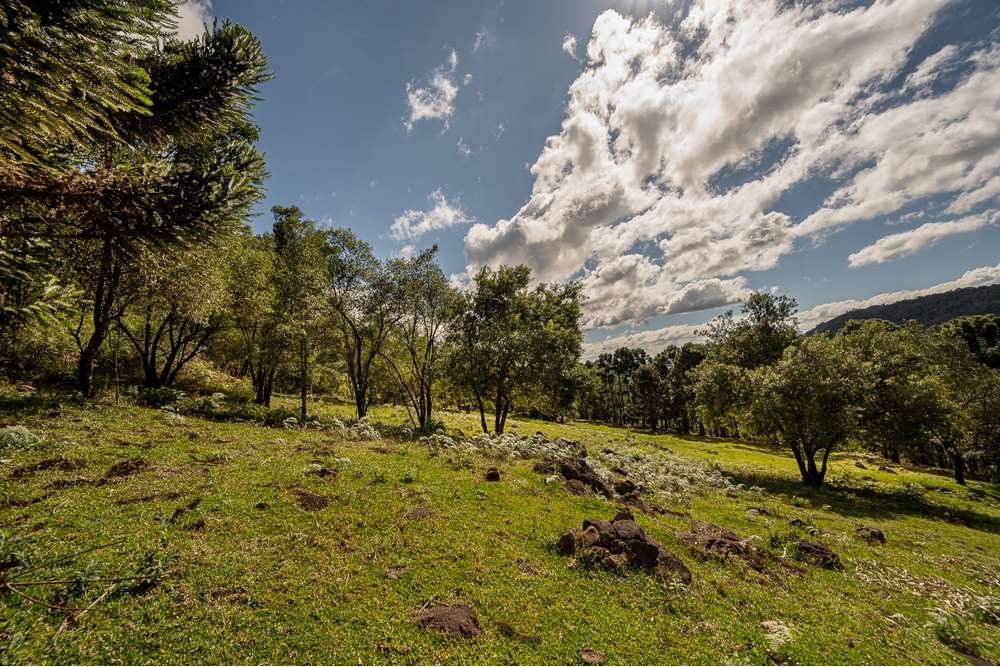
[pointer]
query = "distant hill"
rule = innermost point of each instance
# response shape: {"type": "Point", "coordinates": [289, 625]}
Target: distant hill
{"type": "Point", "coordinates": [928, 310]}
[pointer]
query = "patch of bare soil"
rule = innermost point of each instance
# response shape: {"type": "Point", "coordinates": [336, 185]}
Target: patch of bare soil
{"type": "Point", "coordinates": [458, 619]}
{"type": "Point", "coordinates": [57, 463]}
{"type": "Point", "coordinates": [310, 502]}
{"type": "Point", "coordinates": [184, 509]}
{"type": "Point", "coordinates": [417, 513]}
{"type": "Point", "coordinates": [720, 542]}
{"type": "Point", "coordinates": [126, 468]}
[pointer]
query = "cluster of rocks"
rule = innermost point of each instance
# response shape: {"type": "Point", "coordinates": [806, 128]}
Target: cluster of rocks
{"type": "Point", "coordinates": [621, 543]}
{"type": "Point", "coordinates": [580, 477]}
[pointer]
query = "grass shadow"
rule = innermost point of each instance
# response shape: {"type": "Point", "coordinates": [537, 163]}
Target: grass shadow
{"type": "Point", "coordinates": [868, 500]}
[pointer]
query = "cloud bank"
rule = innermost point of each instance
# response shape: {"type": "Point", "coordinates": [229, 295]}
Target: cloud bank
{"type": "Point", "coordinates": [664, 184]}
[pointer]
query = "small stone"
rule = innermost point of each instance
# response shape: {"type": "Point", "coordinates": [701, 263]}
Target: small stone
{"type": "Point", "coordinates": [566, 544]}
{"type": "Point", "coordinates": [624, 514]}
{"type": "Point", "coordinates": [492, 474]}
{"type": "Point", "coordinates": [870, 535]}
{"type": "Point", "coordinates": [591, 537]}
{"type": "Point", "coordinates": [626, 529]}
{"type": "Point", "coordinates": [670, 567]}
{"type": "Point", "coordinates": [591, 656]}
{"type": "Point", "coordinates": [396, 571]}
{"type": "Point", "coordinates": [577, 488]}
{"type": "Point", "coordinates": [642, 554]}
{"type": "Point", "coordinates": [859, 464]}
{"type": "Point", "coordinates": [624, 487]}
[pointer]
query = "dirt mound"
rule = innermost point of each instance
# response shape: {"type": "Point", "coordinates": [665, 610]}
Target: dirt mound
{"type": "Point", "coordinates": [575, 469]}
{"type": "Point", "coordinates": [817, 554]}
{"type": "Point", "coordinates": [58, 463]}
{"type": "Point", "coordinates": [870, 535]}
{"type": "Point", "coordinates": [457, 619]}
{"type": "Point", "coordinates": [618, 544]}
{"type": "Point", "coordinates": [126, 468]}
{"type": "Point", "coordinates": [310, 502]}
{"type": "Point", "coordinates": [723, 543]}
{"type": "Point", "coordinates": [166, 495]}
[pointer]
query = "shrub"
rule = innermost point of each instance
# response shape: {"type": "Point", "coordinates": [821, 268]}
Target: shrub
{"type": "Point", "coordinates": [18, 437]}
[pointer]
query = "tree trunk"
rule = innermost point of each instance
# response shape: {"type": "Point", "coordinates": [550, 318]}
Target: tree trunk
{"type": "Point", "coordinates": [959, 468]}
{"type": "Point", "coordinates": [303, 374]}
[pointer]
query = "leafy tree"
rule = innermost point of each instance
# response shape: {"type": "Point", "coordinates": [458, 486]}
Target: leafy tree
{"type": "Point", "coordinates": [722, 392]}
{"type": "Point", "coordinates": [179, 306]}
{"type": "Point", "coordinates": [970, 430]}
{"type": "Point", "coordinates": [680, 392]}
{"type": "Point", "coordinates": [806, 401]}
{"type": "Point", "coordinates": [429, 308]}
{"type": "Point", "coordinates": [511, 340]}
{"type": "Point", "coordinates": [260, 348]}
{"type": "Point", "coordinates": [300, 278]}
{"type": "Point", "coordinates": [758, 337]}
{"type": "Point", "coordinates": [899, 404]}
{"type": "Point", "coordinates": [981, 333]}
{"type": "Point", "coordinates": [647, 393]}
{"type": "Point", "coordinates": [365, 295]}
{"type": "Point", "coordinates": [180, 171]}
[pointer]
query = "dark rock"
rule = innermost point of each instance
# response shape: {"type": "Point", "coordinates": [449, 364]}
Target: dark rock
{"type": "Point", "coordinates": [859, 464]}
{"type": "Point", "coordinates": [797, 522]}
{"type": "Point", "coordinates": [670, 567]}
{"type": "Point", "coordinates": [624, 487]}
{"type": "Point", "coordinates": [492, 474]}
{"type": "Point", "coordinates": [818, 554]}
{"type": "Point", "coordinates": [624, 515]}
{"type": "Point", "coordinates": [616, 561]}
{"type": "Point", "coordinates": [567, 543]}
{"type": "Point", "coordinates": [870, 535]}
{"type": "Point", "coordinates": [591, 537]}
{"type": "Point", "coordinates": [642, 554]}
{"type": "Point", "coordinates": [577, 488]}
{"type": "Point", "coordinates": [627, 530]}
{"type": "Point", "coordinates": [604, 529]}
{"type": "Point", "coordinates": [635, 500]}
{"type": "Point", "coordinates": [886, 469]}
{"type": "Point", "coordinates": [459, 619]}
{"type": "Point", "coordinates": [575, 469]}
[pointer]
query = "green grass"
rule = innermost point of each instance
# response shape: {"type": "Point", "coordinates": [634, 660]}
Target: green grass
{"type": "Point", "coordinates": [311, 587]}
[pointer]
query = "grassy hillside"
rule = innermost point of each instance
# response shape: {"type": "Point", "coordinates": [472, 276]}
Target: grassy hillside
{"type": "Point", "coordinates": [928, 310]}
{"type": "Point", "coordinates": [238, 571]}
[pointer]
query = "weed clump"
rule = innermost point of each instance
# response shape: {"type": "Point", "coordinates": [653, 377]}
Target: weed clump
{"type": "Point", "coordinates": [19, 437]}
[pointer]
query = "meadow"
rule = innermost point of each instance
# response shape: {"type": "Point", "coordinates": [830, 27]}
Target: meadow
{"type": "Point", "coordinates": [178, 539]}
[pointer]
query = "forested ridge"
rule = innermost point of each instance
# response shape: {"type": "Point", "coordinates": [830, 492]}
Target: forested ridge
{"type": "Point", "coordinates": [929, 310]}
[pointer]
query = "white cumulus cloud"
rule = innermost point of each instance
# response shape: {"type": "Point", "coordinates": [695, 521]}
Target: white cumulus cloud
{"type": "Point", "coordinates": [435, 99]}
{"type": "Point", "coordinates": [909, 242]}
{"type": "Point", "coordinates": [192, 17]}
{"type": "Point", "coordinates": [441, 214]}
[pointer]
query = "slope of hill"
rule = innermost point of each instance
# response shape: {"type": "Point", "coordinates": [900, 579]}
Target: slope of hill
{"type": "Point", "coordinates": [318, 545]}
{"type": "Point", "coordinates": [928, 310]}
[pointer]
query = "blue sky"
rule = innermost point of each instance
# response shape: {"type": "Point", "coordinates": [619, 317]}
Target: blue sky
{"type": "Point", "coordinates": [844, 153]}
